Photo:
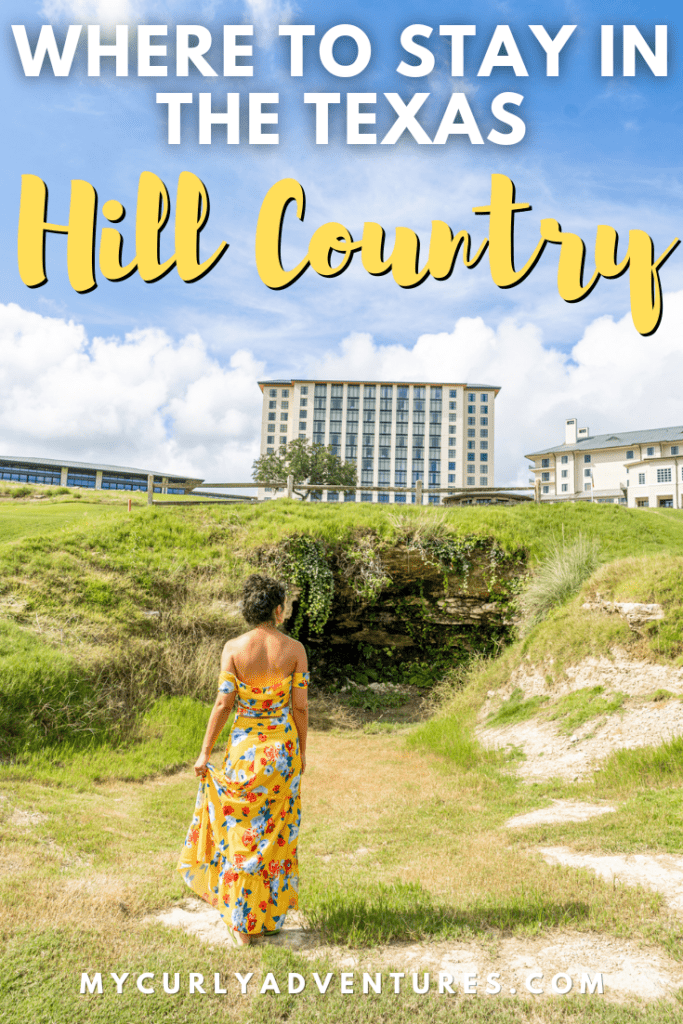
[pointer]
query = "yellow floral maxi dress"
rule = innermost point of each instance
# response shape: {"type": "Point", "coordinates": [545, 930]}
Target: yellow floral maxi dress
{"type": "Point", "coordinates": [240, 854]}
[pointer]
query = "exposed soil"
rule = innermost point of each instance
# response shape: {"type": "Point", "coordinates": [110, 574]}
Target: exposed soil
{"type": "Point", "coordinates": [551, 754]}
{"type": "Point", "coordinates": [628, 968]}
{"type": "Point", "coordinates": [15, 817]}
{"type": "Point", "coordinates": [660, 872]}
{"type": "Point", "coordinates": [560, 810]}
{"type": "Point", "coordinates": [636, 678]}
{"type": "Point", "coordinates": [644, 719]}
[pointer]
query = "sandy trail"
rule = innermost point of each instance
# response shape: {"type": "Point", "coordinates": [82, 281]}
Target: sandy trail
{"type": "Point", "coordinates": [627, 968]}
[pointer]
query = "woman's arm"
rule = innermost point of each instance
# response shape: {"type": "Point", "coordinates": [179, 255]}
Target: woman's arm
{"type": "Point", "coordinates": [300, 705]}
{"type": "Point", "coordinates": [218, 717]}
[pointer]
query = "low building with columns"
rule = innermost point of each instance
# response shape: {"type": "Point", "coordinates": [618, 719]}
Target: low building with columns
{"type": "Point", "coordinates": [637, 468]}
{"type": "Point", "coordinates": [96, 475]}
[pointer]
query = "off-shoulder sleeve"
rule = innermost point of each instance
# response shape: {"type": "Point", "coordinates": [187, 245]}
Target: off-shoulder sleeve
{"type": "Point", "coordinates": [300, 680]}
{"type": "Point", "coordinates": [227, 682]}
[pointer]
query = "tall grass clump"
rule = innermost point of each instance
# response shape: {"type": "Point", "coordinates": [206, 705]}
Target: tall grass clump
{"type": "Point", "coordinates": [452, 737]}
{"type": "Point", "coordinates": [652, 766]}
{"type": "Point", "coordinates": [558, 577]}
{"type": "Point", "coordinates": [45, 696]}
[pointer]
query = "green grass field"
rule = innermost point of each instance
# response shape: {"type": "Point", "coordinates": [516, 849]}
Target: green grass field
{"type": "Point", "coordinates": [19, 519]}
{"type": "Point", "coordinates": [26, 516]}
{"type": "Point", "coordinates": [101, 860]}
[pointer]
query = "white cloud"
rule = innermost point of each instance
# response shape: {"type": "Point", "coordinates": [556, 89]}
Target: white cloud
{"type": "Point", "coordinates": [613, 379]}
{"type": "Point", "coordinates": [266, 15]}
{"type": "Point", "coordinates": [145, 400]}
{"type": "Point", "coordinates": [127, 12]}
{"type": "Point", "coordinates": [150, 401]}
{"type": "Point", "coordinates": [99, 12]}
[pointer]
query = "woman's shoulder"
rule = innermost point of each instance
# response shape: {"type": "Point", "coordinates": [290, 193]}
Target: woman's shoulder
{"type": "Point", "coordinates": [235, 646]}
{"type": "Point", "coordinates": [237, 643]}
{"type": "Point", "coordinates": [298, 651]}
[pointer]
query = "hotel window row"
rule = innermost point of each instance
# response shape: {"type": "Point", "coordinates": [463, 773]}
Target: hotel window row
{"type": "Point", "coordinates": [397, 433]}
{"type": "Point", "coordinates": [640, 469]}
{"type": "Point", "coordinates": [89, 476]}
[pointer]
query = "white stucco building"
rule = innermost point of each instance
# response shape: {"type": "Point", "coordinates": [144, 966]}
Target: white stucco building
{"type": "Point", "coordinates": [639, 468]}
{"type": "Point", "coordinates": [396, 432]}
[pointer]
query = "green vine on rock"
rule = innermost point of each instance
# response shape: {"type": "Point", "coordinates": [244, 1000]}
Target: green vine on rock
{"type": "Point", "coordinates": [451, 555]}
{"type": "Point", "coordinates": [457, 557]}
{"type": "Point", "coordinates": [305, 566]}
{"type": "Point", "coordinates": [363, 570]}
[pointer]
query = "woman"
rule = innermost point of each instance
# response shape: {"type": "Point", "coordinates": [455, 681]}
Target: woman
{"type": "Point", "coordinates": [240, 854]}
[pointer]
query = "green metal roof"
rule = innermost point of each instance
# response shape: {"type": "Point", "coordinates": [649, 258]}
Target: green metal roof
{"type": "Point", "coordinates": [624, 439]}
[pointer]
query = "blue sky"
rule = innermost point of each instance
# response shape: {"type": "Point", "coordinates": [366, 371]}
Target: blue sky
{"type": "Point", "coordinates": [163, 374]}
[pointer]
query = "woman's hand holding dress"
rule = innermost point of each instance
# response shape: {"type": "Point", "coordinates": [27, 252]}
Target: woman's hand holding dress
{"type": "Point", "coordinates": [218, 718]}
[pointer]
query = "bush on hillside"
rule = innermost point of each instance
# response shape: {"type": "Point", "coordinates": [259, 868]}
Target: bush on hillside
{"type": "Point", "coordinates": [558, 578]}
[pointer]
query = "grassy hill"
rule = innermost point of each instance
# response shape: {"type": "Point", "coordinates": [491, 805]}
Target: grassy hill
{"type": "Point", "coordinates": [103, 612]}
{"type": "Point", "coordinates": [111, 626]}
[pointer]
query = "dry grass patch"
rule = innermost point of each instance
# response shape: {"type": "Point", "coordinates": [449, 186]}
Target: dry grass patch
{"type": "Point", "coordinates": [433, 868]}
{"type": "Point", "coordinates": [327, 713]}
{"type": "Point", "coordinates": [402, 813]}
{"type": "Point", "coordinates": [97, 859]}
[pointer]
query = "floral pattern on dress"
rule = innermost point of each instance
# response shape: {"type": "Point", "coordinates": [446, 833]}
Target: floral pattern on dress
{"type": "Point", "coordinates": [240, 854]}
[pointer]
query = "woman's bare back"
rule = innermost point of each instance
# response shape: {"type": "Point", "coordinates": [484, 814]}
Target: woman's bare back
{"type": "Point", "coordinates": [262, 655]}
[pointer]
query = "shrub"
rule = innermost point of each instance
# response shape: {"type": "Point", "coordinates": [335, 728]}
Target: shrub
{"type": "Point", "coordinates": [557, 579]}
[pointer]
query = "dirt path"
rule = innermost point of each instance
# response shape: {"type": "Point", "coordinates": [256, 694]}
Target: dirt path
{"type": "Point", "coordinates": [358, 792]}
{"type": "Point", "coordinates": [559, 810]}
{"type": "Point", "coordinates": [660, 872]}
{"type": "Point", "coordinates": [627, 968]}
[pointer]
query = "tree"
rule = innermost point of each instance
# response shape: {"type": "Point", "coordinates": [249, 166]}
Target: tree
{"type": "Point", "coordinates": [308, 464]}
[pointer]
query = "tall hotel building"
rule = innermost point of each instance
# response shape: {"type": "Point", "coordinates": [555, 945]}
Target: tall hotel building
{"type": "Point", "coordinates": [398, 433]}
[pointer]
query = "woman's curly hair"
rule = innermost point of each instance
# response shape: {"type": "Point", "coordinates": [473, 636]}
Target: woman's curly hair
{"type": "Point", "coordinates": [260, 597]}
